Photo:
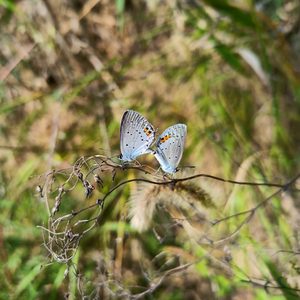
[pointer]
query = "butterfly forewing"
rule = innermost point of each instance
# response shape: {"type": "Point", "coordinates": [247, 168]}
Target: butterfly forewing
{"type": "Point", "coordinates": [137, 135]}
{"type": "Point", "coordinates": [181, 128]}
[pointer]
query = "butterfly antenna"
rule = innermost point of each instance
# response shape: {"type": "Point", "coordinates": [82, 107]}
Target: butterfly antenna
{"type": "Point", "coordinates": [191, 167]}
{"type": "Point", "coordinates": [156, 132]}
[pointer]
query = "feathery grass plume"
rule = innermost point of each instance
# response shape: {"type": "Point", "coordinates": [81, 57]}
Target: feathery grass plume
{"type": "Point", "coordinates": [188, 196]}
{"type": "Point", "coordinates": [142, 205]}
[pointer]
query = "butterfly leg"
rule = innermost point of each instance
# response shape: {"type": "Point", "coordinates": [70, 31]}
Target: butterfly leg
{"type": "Point", "coordinates": [137, 163]}
{"type": "Point", "coordinates": [167, 176]}
{"type": "Point", "coordinates": [157, 170]}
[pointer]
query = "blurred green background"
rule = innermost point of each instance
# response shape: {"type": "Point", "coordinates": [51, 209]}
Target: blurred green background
{"type": "Point", "coordinates": [229, 70]}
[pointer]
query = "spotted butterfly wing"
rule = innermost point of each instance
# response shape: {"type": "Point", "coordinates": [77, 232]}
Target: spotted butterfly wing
{"type": "Point", "coordinates": [169, 147]}
{"type": "Point", "coordinates": [182, 129]}
{"type": "Point", "coordinates": [137, 135]}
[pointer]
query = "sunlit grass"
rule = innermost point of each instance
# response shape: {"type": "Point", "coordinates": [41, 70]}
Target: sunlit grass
{"type": "Point", "coordinates": [173, 65]}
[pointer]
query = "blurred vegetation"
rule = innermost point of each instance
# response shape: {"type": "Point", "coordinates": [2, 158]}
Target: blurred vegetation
{"type": "Point", "coordinates": [229, 70]}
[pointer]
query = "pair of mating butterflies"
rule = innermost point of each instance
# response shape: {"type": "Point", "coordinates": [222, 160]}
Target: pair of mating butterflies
{"type": "Point", "coordinates": [137, 135]}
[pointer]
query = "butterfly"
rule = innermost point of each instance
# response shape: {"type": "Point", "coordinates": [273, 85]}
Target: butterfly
{"type": "Point", "coordinates": [137, 135]}
{"type": "Point", "coordinates": [169, 147]}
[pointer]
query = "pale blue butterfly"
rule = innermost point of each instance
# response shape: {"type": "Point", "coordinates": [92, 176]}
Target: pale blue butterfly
{"type": "Point", "coordinates": [169, 147]}
{"type": "Point", "coordinates": [137, 135]}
